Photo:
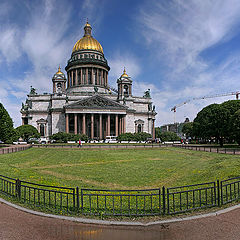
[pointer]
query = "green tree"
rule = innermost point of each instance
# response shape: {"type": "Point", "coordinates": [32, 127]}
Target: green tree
{"type": "Point", "coordinates": [7, 132]}
{"type": "Point", "coordinates": [157, 132]}
{"type": "Point", "coordinates": [211, 122]}
{"type": "Point", "coordinates": [231, 107]}
{"type": "Point", "coordinates": [63, 137]}
{"type": "Point", "coordinates": [142, 136]}
{"type": "Point", "coordinates": [168, 136]}
{"type": "Point", "coordinates": [27, 131]}
{"type": "Point", "coordinates": [125, 137]}
{"type": "Point", "coordinates": [188, 129]}
{"type": "Point", "coordinates": [235, 123]}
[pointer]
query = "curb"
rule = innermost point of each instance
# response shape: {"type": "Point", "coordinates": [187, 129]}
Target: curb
{"type": "Point", "coordinates": [118, 223]}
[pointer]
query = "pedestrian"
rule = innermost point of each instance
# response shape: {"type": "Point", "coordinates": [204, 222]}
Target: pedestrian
{"type": "Point", "coordinates": [79, 143]}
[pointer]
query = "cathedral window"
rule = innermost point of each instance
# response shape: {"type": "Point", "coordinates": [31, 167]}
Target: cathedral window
{"type": "Point", "coordinates": [100, 76]}
{"type": "Point", "coordinates": [139, 128]}
{"type": "Point", "coordinates": [84, 75]}
{"type": "Point", "coordinates": [95, 76]}
{"type": "Point", "coordinates": [42, 129]}
{"type": "Point", "coordinates": [79, 76]}
{"type": "Point", "coordinates": [103, 78]}
{"type": "Point", "coordinates": [89, 76]}
{"type": "Point", "coordinates": [74, 79]}
{"type": "Point", "coordinates": [125, 90]}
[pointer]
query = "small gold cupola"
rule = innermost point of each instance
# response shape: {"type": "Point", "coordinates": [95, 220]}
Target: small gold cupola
{"type": "Point", "coordinates": [124, 73]}
{"type": "Point", "coordinates": [59, 70]}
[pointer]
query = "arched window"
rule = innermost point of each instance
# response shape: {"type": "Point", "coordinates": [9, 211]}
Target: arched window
{"type": "Point", "coordinates": [95, 76]}
{"type": "Point", "coordinates": [59, 85]}
{"type": "Point", "coordinates": [139, 128]}
{"type": "Point", "coordinates": [74, 78]}
{"type": "Point", "coordinates": [125, 90]}
{"type": "Point", "coordinates": [42, 129]}
{"type": "Point", "coordinates": [84, 75]}
{"type": "Point", "coordinates": [89, 76]}
{"type": "Point", "coordinates": [100, 76]}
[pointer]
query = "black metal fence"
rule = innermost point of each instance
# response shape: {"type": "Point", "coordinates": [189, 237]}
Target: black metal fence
{"type": "Point", "coordinates": [209, 149]}
{"type": "Point", "coordinates": [147, 202]}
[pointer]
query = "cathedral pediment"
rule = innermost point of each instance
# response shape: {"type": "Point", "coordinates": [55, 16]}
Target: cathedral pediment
{"type": "Point", "coordinates": [97, 102]}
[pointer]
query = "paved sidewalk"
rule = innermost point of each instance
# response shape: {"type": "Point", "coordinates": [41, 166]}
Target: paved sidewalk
{"type": "Point", "coordinates": [16, 224]}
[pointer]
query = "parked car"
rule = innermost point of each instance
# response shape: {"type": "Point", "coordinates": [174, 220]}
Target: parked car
{"type": "Point", "coordinates": [43, 140]}
{"type": "Point", "coordinates": [111, 139]}
{"type": "Point", "coordinates": [33, 140]}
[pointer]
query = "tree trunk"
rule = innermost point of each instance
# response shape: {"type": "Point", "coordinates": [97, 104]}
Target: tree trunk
{"type": "Point", "coordinates": [221, 141]}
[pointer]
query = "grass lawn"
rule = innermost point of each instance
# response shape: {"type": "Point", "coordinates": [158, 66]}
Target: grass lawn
{"type": "Point", "coordinates": [118, 168]}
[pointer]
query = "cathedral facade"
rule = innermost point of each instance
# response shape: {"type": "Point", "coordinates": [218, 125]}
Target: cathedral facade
{"type": "Point", "coordinates": [83, 102]}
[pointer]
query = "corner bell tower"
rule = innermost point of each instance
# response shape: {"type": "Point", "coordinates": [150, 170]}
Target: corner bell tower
{"type": "Point", "coordinates": [124, 86]}
{"type": "Point", "coordinates": [59, 82]}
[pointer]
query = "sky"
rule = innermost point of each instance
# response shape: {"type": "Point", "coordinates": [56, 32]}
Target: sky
{"type": "Point", "coordinates": [180, 49]}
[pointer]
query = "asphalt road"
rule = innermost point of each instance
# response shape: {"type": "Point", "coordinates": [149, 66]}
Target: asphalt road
{"type": "Point", "coordinates": [16, 224]}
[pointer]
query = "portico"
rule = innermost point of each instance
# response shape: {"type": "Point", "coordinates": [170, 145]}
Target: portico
{"type": "Point", "coordinates": [97, 117]}
{"type": "Point", "coordinates": [96, 125]}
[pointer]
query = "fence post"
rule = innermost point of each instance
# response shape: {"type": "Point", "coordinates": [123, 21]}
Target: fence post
{"type": "Point", "coordinates": [218, 192]}
{"type": "Point", "coordinates": [81, 199]}
{"type": "Point", "coordinates": [164, 200]}
{"type": "Point", "coordinates": [18, 188]}
{"type": "Point", "coordinates": [77, 194]}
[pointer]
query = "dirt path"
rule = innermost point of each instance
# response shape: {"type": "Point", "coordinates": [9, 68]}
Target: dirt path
{"type": "Point", "coordinates": [15, 224]}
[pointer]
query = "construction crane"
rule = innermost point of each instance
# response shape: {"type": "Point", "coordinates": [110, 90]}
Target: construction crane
{"type": "Point", "coordinates": [174, 109]}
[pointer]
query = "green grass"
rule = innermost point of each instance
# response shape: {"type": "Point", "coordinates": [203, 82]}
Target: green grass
{"type": "Point", "coordinates": [118, 168]}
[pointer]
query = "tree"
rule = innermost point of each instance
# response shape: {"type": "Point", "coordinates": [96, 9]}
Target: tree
{"type": "Point", "coordinates": [27, 131]}
{"type": "Point", "coordinates": [64, 137]}
{"type": "Point", "coordinates": [7, 132]}
{"type": "Point", "coordinates": [187, 129]}
{"type": "Point", "coordinates": [141, 136]}
{"type": "Point", "coordinates": [211, 122]}
{"type": "Point", "coordinates": [125, 137]}
{"type": "Point", "coordinates": [168, 136]}
{"type": "Point", "coordinates": [157, 132]}
{"type": "Point", "coordinates": [235, 123]}
{"type": "Point", "coordinates": [231, 107]}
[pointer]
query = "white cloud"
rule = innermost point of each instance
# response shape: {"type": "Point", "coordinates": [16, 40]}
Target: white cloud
{"type": "Point", "coordinates": [9, 44]}
{"type": "Point", "coordinates": [118, 61]}
{"type": "Point", "coordinates": [176, 34]}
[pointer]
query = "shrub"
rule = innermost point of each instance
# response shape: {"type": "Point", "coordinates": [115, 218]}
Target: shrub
{"type": "Point", "coordinates": [27, 131]}
{"type": "Point", "coordinates": [63, 137]}
{"type": "Point", "coordinates": [125, 137]}
{"type": "Point", "coordinates": [142, 136]}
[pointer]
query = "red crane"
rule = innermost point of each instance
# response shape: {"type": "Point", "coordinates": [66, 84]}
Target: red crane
{"type": "Point", "coordinates": [174, 109]}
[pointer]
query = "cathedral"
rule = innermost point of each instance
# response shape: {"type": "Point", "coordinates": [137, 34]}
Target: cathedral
{"type": "Point", "coordinates": [83, 102]}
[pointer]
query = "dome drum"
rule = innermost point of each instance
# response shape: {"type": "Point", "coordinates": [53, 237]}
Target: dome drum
{"type": "Point", "coordinates": [87, 65]}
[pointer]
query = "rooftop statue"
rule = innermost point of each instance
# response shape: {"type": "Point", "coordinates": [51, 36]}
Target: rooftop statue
{"type": "Point", "coordinates": [32, 91]}
{"type": "Point", "coordinates": [147, 94]}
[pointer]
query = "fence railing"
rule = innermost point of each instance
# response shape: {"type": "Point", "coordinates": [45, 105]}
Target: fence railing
{"type": "Point", "coordinates": [147, 202]}
{"type": "Point", "coordinates": [209, 149]}
{"type": "Point", "coordinates": [109, 145]}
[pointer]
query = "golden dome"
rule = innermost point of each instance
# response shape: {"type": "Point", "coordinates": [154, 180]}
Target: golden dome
{"type": "Point", "coordinates": [59, 71]}
{"type": "Point", "coordinates": [124, 73]}
{"type": "Point", "coordinates": [87, 41]}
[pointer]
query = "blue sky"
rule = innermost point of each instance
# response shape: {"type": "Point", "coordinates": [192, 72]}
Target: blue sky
{"type": "Point", "coordinates": [180, 49]}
